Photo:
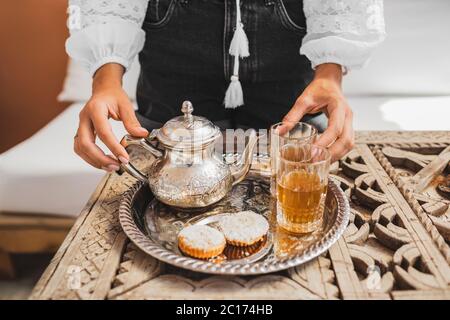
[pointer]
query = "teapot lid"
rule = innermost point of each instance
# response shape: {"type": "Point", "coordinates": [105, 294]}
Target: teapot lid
{"type": "Point", "coordinates": [187, 131]}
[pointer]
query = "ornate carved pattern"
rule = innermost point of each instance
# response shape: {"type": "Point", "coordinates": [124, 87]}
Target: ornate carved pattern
{"type": "Point", "coordinates": [419, 167]}
{"type": "Point", "coordinates": [394, 247]}
{"type": "Point", "coordinates": [410, 270]}
{"type": "Point", "coordinates": [418, 140]}
{"type": "Point", "coordinates": [171, 286]}
{"type": "Point", "coordinates": [377, 238]}
{"type": "Point", "coordinates": [318, 276]}
{"type": "Point", "coordinates": [406, 190]}
{"type": "Point", "coordinates": [367, 231]}
{"type": "Point", "coordinates": [135, 267]}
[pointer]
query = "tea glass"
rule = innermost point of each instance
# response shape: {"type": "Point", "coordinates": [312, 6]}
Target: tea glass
{"type": "Point", "coordinates": [300, 133]}
{"type": "Point", "coordinates": [302, 180]}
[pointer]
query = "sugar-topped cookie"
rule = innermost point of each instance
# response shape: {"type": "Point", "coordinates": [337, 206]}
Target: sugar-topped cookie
{"type": "Point", "coordinates": [244, 228]}
{"type": "Point", "coordinates": [201, 241]}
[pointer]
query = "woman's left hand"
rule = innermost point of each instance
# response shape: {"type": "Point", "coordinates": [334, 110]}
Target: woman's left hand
{"type": "Point", "coordinates": [324, 94]}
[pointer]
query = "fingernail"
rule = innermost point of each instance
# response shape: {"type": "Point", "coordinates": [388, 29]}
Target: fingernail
{"type": "Point", "coordinates": [123, 160]}
{"type": "Point", "coordinates": [314, 152]}
{"type": "Point", "coordinates": [112, 167]}
{"type": "Point", "coordinates": [143, 130]}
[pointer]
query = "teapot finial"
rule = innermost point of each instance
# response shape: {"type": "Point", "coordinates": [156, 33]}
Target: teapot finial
{"type": "Point", "coordinates": [187, 109]}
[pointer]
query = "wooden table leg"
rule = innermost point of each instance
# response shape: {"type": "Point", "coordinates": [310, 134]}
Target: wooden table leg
{"type": "Point", "coordinates": [6, 266]}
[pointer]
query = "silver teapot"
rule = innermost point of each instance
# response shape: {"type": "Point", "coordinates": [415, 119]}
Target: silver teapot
{"type": "Point", "coordinates": [187, 173]}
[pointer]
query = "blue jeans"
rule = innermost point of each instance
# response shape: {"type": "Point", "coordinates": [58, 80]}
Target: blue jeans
{"type": "Point", "coordinates": [186, 58]}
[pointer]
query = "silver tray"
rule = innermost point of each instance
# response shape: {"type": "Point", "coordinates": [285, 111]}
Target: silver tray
{"type": "Point", "coordinates": [153, 227]}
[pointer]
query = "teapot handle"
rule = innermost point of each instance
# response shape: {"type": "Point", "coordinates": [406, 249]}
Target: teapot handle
{"type": "Point", "coordinates": [129, 140]}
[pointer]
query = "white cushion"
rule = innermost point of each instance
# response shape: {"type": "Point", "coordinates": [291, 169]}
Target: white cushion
{"type": "Point", "coordinates": [414, 59]}
{"type": "Point", "coordinates": [44, 175]}
{"type": "Point", "coordinates": [77, 85]}
{"type": "Point", "coordinates": [401, 113]}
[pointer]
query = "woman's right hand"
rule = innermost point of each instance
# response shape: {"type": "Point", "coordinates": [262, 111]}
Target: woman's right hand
{"type": "Point", "coordinates": [108, 100]}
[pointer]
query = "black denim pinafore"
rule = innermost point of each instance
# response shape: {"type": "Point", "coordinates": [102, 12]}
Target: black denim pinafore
{"type": "Point", "coordinates": [186, 58]}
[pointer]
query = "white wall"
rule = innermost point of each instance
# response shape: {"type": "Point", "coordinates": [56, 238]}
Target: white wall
{"type": "Point", "coordinates": [415, 57]}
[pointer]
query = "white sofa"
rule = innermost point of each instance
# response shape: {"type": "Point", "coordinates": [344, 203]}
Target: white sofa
{"type": "Point", "coordinates": [44, 175]}
{"type": "Point", "coordinates": [405, 87]}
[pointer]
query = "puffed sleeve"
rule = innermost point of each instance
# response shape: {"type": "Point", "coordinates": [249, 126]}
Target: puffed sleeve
{"type": "Point", "coordinates": [105, 31]}
{"type": "Point", "coordinates": [342, 31]}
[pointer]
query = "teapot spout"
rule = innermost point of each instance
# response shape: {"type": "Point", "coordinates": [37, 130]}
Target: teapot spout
{"type": "Point", "coordinates": [240, 169]}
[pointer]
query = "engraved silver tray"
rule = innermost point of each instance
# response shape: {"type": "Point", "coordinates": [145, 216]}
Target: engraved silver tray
{"type": "Point", "coordinates": [153, 227]}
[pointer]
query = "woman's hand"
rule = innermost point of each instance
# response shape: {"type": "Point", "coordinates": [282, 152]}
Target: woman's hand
{"type": "Point", "coordinates": [108, 100]}
{"type": "Point", "coordinates": [324, 94]}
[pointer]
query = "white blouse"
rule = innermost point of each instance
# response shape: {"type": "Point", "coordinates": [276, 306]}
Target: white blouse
{"type": "Point", "coordinates": [338, 31]}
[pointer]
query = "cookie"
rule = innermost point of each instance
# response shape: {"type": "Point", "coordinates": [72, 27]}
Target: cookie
{"type": "Point", "coordinates": [201, 241]}
{"type": "Point", "coordinates": [244, 228]}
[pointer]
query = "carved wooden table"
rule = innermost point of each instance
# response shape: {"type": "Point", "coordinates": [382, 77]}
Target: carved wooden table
{"type": "Point", "coordinates": [395, 247]}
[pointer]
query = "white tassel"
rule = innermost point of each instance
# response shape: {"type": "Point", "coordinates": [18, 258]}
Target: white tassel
{"type": "Point", "coordinates": [234, 97]}
{"type": "Point", "coordinates": [239, 43]}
